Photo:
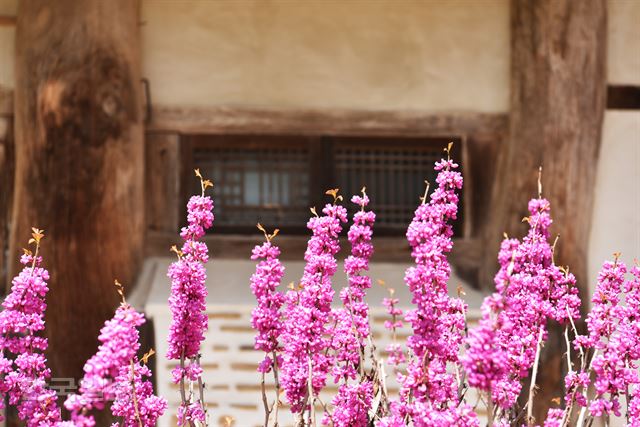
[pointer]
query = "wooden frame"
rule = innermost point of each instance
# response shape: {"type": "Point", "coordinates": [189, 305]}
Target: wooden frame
{"type": "Point", "coordinates": [481, 133]}
{"type": "Point", "coordinates": [322, 150]}
{"type": "Point", "coordinates": [6, 179]}
{"type": "Point", "coordinates": [623, 97]}
{"type": "Point", "coordinates": [7, 21]}
{"type": "Point", "coordinates": [6, 102]}
{"type": "Point", "coordinates": [227, 120]}
{"type": "Point", "coordinates": [191, 143]}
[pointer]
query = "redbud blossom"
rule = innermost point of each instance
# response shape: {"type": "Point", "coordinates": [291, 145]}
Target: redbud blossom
{"type": "Point", "coordinates": [530, 290]}
{"type": "Point", "coordinates": [22, 318]}
{"type": "Point", "coordinates": [351, 334]}
{"type": "Point", "coordinates": [614, 336]}
{"type": "Point", "coordinates": [308, 310]}
{"type": "Point", "coordinates": [189, 294]}
{"type": "Point", "coordinates": [134, 400]}
{"type": "Point", "coordinates": [266, 317]}
{"type": "Point", "coordinates": [119, 338]}
{"type": "Point", "coordinates": [429, 389]}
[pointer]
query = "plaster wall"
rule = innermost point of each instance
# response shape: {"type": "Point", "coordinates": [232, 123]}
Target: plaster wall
{"type": "Point", "coordinates": [414, 54]}
{"type": "Point", "coordinates": [7, 51]}
{"type": "Point", "coordinates": [616, 215]}
{"type": "Point", "coordinates": [623, 44]}
{"type": "Point", "coordinates": [427, 55]}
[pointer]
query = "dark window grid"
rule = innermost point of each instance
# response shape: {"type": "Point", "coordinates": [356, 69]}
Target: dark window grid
{"type": "Point", "coordinates": [286, 172]}
{"type": "Point", "coordinates": [257, 184]}
{"type": "Point", "coordinates": [393, 172]}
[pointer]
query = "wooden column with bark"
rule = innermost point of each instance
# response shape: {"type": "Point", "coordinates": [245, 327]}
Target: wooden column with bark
{"type": "Point", "coordinates": [558, 87]}
{"type": "Point", "coordinates": [79, 161]}
{"type": "Point", "coordinates": [6, 176]}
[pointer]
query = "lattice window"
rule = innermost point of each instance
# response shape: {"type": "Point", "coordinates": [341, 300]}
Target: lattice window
{"type": "Point", "coordinates": [275, 179]}
{"type": "Point", "coordinates": [392, 169]}
{"type": "Point", "coordinates": [257, 179]}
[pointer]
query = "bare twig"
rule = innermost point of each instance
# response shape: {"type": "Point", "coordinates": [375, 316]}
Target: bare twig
{"type": "Point", "coordinates": [265, 403]}
{"type": "Point", "coordinates": [133, 394]}
{"type": "Point", "coordinates": [532, 386]}
{"type": "Point", "coordinates": [201, 393]}
{"type": "Point", "coordinates": [312, 409]}
{"type": "Point", "coordinates": [277, 384]}
{"type": "Point", "coordinates": [183, 397]}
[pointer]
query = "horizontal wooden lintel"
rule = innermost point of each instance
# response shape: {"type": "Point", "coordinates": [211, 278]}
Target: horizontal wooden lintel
{"type": "Point", "coordinates": [465, 254]}
{"type": "Point", "coordinates": [229, 120]}
{"type": "Point", "coordinates": [7, 20]}
{"type": "Point", "coordinates": [623, 97]}
{"type": "Point", "coordinates": [6, 101]}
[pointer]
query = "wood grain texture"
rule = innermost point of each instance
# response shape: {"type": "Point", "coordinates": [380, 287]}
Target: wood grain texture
{"type": "Point", "coordinates": [483, 134]}
{"type": "Point", "coordinates": [203, 120]}
{"type": "Point", "coordinates": [558, 91]}
{"type": "Point", "coordinates": [162, 177]}
{"type": "Point", "coordinates": [79, 162]}
{"type": "Point", "coordinates": [7, 21]}
{"type": "Point", "coordinates": [6, 101]}
{"type": "Point", "coordinates": [465, 255]}
{"type": "Point", "coordinates": [6, 191]}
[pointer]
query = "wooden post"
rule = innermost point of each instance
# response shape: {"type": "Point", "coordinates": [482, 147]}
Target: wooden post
{"type": "Point", "coordinates": [6, 177]}
{"type": "Point", "coordinates": [558, 88]}
{"type": "Point", "coordinates": [79, 162]}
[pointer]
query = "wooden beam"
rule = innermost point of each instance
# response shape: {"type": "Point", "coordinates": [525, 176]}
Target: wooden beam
{"type": "Point", "coordinates": [6, 192]}
{"type": "Point", "coordinates": [558, 95]}
{"type": "Point", "coordinates": [79, 162]}
{"type": "Point", "coordinates": [163, 174]}
{"type": "Point", "coordinates": [623, 97]}
{"type": "Point", "coordinates": [483, 134]}
{"type": "Point", "coordinates": [465, 256]}
{"type": "Point", "coordinates": [229, 120]}
{"type": "Point", "coordinates": [7, 21]}
{"type": "Point", "coordinates": [6, 101]}
{"type": "Point", "coordinates": [6, 177]}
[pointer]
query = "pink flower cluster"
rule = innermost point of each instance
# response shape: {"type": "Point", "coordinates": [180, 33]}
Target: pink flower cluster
{"type": "Point", "coordinates": [305, 353]}
{"type": "Point", "coordinates": [351, 333]}
{"type": "Point", "coordinates": [352, 321]}
{"type": "Point", "coordinates": [188, 301]}
{"type": "Point", "coordinates": [530, 290]}
{"type": "Point", "coordinates": [134, 400]}
{"type": "Point", "coordinates": [614, 339]}
{"type": "Point", "coordinates": [119, 340]}
{"type": "Point", "coordinates": [266, 318]}
{"type": "Point", "coordinates": [634, 407]}
{"type": "Point", "coordinates": [188, 288]}
{"type": "Point", "coordinates": [308, 340]}
{"type": "Point", "coordinates": [24, 379]}
{"type": "Point", "coordinates": [394, 350]}
{"type": "Point", "coordinates": [351, 405]}
{"type": "Point", "coordinates": [429, 393]}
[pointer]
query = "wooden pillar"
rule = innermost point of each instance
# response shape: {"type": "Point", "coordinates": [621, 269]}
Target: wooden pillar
{"type": "Point", "coordinates": [6, 177]}
{"type": "Point", "coordinates": [558, 87]}
{"type": "Point", "coordinates": [79, 161]}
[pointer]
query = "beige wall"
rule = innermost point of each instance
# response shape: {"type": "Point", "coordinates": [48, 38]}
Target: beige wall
{"type": "Point", "coordinates": [427, 55]}
{"type": "Point", "coordinates": [624, 42]}
{"type": "Point", "coordinates": [7, 37]}
{"type": "Point", "coordinates": [616, 216]}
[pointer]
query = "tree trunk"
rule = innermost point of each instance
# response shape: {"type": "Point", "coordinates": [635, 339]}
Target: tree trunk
{"type": "Point", "coordinates": [558, 87]}
{"type": "Point", "coordinates": [79, 162]}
